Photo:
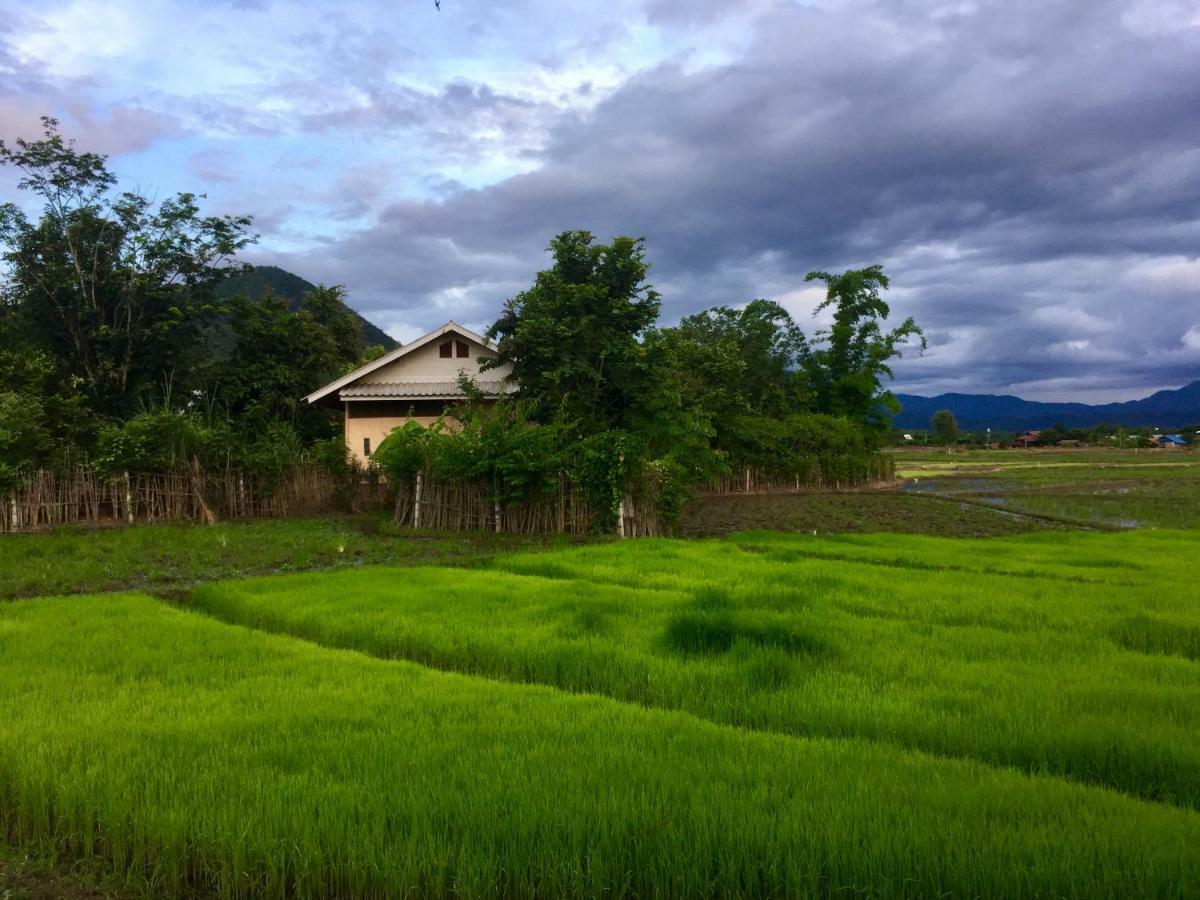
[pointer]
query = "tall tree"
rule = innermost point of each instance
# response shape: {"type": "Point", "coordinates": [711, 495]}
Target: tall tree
{"type": "Point", "coordinates": [945, 426]}
{"type": "Point", "coordinates": [848, 362]}
{"type": "Point", "coordinates": [111, 285]}
{"type": "Point", "coordinates": [573, 338]}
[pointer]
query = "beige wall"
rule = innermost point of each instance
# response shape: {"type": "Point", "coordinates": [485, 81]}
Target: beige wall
{"type": "Point", "coordinates": [375, 428]}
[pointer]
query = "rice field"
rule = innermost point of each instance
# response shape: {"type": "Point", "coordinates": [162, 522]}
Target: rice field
{"type": "Point", "coordinates": [957, 649]}
{"type": "Point", "coordinates": [768, 715]}
{"type": "Point", "coordinates": [1103, 488]}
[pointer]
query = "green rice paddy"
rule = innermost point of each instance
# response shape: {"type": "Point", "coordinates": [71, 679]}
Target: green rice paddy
{"type": "Point", "coordinates": [765, 715]}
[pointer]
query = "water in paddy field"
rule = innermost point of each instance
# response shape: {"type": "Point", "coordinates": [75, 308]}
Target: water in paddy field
{"type": "Point", "coordinates": [951, 486]}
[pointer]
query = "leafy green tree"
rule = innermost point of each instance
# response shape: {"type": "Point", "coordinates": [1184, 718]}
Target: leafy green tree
{"type": "Point", "coordinates": [945, 426]}
{"type": "Point", "coordinates": [573, 338]}
{"type": "Point", "coordinates": [737, 362]}
{"type": "Point", "coordinates": [279, 356]}
{"type": "Point", "coordinates": [110, 285]}
{"type": "Point", "coordinates": [847, 363]}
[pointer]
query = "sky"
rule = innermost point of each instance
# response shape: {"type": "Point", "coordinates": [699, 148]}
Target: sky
{"type": "Point", "coordinates": [1027, 171]}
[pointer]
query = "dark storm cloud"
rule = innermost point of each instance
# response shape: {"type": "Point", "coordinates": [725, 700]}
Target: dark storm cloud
{"type": "Point", "coordinates": [1014, 164]}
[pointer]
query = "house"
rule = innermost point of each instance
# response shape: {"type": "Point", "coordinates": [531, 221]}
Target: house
{"type": "Point", "coordinates": [1028, 439]}
{"type": "Point", "coordinates": [1169, 441]}
{"type": "Point", "coordinates": [417, 382]}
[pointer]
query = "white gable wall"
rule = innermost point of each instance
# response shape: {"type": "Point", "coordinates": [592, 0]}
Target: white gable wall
{"type": "Point", "coordinates": [424, 364]}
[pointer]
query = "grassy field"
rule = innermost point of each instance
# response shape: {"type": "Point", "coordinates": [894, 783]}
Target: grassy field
{"type": "Point", "coordinates": [378, 714]}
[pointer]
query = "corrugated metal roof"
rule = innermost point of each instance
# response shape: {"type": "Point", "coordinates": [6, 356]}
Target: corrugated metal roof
{"type": "Point", "coordinates": [401, 390]}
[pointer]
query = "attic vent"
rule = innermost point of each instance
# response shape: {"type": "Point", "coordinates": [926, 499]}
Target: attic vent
{"type": "Point", "coordinates": [463, 349]}
{"type": "Point", "coordinates": [446, 350]}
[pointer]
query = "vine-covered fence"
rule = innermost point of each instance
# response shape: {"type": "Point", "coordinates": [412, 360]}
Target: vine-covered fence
{"type": "Point", "coordinates": [431, 502]}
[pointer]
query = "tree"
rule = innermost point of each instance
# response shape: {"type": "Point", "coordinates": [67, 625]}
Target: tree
{"type": "Point", "coordinates": [742, 360]}
{"type": "Point", "coordinates": [110, 285]}
{"type": "Point", "coordinates": [847, 364]}
{"type": "Point", "coordinates": [573, 337]}
{"type": "Point", "coordinates": [279, 356]}
{"type": "Point", "coordinates": [945, 426]}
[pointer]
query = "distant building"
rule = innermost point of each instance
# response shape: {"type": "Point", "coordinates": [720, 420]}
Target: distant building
{"type": "Point", "coordinates": [1028, 439]}
{"type": "Point", "coordinates": [1169, 441]}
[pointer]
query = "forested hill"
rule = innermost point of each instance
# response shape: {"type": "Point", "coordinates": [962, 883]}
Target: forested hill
{"type": "Point", "coordinates": [291, 287]}
{"type": "Point", "coordinates": [1164, 409]}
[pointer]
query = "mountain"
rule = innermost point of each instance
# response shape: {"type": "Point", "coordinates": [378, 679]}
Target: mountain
{"type": "Point", "coordinates": [283, 283]}
{"type": "Point", "coordinates": [1003, 412]}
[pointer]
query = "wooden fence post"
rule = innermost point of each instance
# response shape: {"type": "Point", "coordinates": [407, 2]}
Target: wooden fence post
{"type": "Point", "coordinates": [496, 513]}
{"type": "Point", "coordinates": [417, 503]}
{"type": "Point", "coordinates": [128, 500]}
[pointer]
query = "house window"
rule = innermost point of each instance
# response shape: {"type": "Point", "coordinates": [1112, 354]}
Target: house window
{"type": "Point", "coordinates": [445, 351]}
{"type": "Point", "coordinates": [463, 349]}
{"type": "Point", "coordinates": [366, 446]}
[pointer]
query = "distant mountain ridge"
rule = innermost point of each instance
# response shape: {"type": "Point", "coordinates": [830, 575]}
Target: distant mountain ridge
{"type": "Point", "coordinates": [1004, 412]}
{"type": "Point", "coordinates": [292, 287]}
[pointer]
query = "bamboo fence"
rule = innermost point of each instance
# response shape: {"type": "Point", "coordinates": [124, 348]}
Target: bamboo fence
{"type": "Point", "coordinates": [430, 502]}
{"type": "Point", "coordinates": [836, 475]}
{"type": "Point", "coordinates": [45, 499]}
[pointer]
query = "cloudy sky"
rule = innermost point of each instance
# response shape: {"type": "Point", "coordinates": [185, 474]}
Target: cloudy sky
{"type": "Point", "coordinates": [1028, 171]}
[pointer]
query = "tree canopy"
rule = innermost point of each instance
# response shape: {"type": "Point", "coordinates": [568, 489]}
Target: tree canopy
{"type": "Point", "coordinates": [124, 335]}
{"type": "Point", "coordinates": [848, 363]}
{"type": "Point", "coordinates": [113, 317]}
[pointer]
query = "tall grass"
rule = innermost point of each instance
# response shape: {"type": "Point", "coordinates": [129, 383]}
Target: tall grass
{"type": "Point", "coordinates": [202, 757]}
{"type": "Point", "coordinates": [931, 644]}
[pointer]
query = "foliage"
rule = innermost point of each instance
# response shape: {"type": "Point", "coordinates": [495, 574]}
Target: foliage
{"type": "Point", "coordinates": [111, 286]}
{"type": "Point", "coordinates": [945, 426]}
{"type": "Point", "coordinates": [846, 363]}
{"type": "Point", "coordinates": [573, 337]}
{"type": "Point", "coordinates": [161, 440]}
{"type": "Point", "coordinates": [498, 446]}
{"type": "Point", "coordinates": [279, 356]}
{"type": "Point", "coordinates": [23, 439]}
{"type": "Point", "coordinates": [741, 361]}
{"type": "Point", "coordinates": [122, 334]}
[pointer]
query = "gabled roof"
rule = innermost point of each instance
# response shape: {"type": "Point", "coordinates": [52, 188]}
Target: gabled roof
{"type": "Point", "coordinates": [361, 371]}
